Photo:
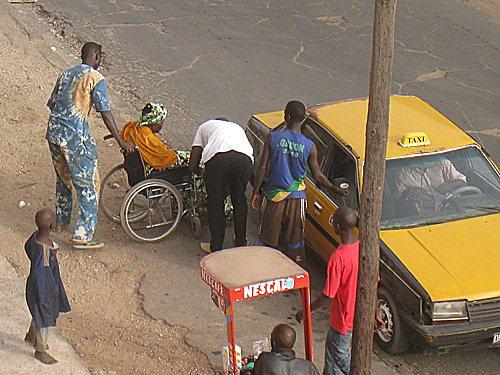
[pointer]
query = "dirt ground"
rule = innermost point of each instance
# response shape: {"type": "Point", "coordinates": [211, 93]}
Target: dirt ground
{"type": "Point", "coordinates": [107, 325]}
{"type": "Point", "coordinates": [112, 325]}
{"type": "Point", "coordinates": [490, 7]}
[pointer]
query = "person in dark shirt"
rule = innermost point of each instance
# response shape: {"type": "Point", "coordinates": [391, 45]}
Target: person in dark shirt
{"type": "Point", "coordinates": [45, 294]}
{"type": "Point", "coordinates": [281, 175]}
{"type": "Point", "coordinates": [281, 360]}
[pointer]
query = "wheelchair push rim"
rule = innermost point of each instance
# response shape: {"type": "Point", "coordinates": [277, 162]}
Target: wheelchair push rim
{"type": "Point", "coordinates": [160, 216]}
{"type": "Point", "coordinates": [114, 188]}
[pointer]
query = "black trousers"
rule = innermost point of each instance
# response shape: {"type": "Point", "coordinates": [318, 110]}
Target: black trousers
{"type": "Point", "coordinates": [227, 173]}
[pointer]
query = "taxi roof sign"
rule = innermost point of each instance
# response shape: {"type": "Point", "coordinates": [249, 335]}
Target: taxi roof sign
{"type": "Point", "coordinates": [414, 139]}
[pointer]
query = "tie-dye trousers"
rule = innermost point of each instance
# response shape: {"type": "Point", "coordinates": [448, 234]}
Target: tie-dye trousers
{"type": "Point", "coordinates": [77, 168]}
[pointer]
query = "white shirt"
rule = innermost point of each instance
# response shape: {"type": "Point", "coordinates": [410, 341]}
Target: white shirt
{"type": "Point", "coordinates": [216, 136]}
{"type": "Point", "coordinates": [432, 177]}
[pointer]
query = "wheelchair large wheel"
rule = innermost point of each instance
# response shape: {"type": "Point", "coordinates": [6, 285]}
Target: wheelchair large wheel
{"type": "Point", "coordinates": [151, 210]}
{"type": "Point", "coordinates": [114, 188]}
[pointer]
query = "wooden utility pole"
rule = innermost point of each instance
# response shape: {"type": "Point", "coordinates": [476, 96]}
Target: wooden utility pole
{"type": "Point", "coordinates": [377, 128]}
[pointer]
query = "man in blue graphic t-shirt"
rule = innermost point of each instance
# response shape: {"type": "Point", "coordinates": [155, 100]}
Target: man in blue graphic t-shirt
{"type": "Point", "coordinates": [286, 156]}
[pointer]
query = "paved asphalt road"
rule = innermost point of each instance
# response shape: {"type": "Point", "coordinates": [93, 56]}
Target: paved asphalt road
{"type": "Point", "coordinates": [233, 58]}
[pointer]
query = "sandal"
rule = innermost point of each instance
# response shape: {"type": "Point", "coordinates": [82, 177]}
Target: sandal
{"type": "Point", "coordinates": [205, 246]}
{"type": "Point", "coordinates": [87, 245]}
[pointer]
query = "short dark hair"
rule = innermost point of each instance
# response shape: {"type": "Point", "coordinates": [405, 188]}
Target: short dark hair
{"type": "Point", "coordinates": [90, 48]}
{"type": "Point", "coordinates": [295, 110]}
{"type": "Point", "coordinates": [283, 336]}
{"type": "Point", "coordinates": [346, 218]}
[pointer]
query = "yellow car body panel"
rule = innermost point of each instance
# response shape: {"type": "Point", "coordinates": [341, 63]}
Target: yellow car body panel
{"type": "Point", "coordinates": [271, 119]}
{"type": "Point", "coordinates": [458, 260]}
{"type": "Point", "coordinates": [347, 121]}
{"type": "Point", "coordinates": [446, 272]}
{"type": "Point", "coordinates": [318, 221]}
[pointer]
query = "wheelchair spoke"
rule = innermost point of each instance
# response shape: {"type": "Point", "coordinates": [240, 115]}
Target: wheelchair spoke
{"type": "Point", "coordinates": [161, 209]}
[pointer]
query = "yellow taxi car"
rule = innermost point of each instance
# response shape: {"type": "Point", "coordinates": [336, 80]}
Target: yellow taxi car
{"type": "Point", "coordinates": [439, 238]}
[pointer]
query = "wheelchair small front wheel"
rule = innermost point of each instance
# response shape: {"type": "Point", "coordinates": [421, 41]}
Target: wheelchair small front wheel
{"type": "Point", "coordinates": [196, 228]}
{"type": "Point", "coordinates": [151, 210]}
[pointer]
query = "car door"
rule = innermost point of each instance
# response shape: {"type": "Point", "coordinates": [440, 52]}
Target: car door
{"type": "Point", "coordinates": [318, 207]}
{"type": "Point", "coordinates": [339, 165]}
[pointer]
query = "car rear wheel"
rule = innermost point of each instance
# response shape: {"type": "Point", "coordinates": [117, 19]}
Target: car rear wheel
{"type": "Point", "coordinates": [391, 337]}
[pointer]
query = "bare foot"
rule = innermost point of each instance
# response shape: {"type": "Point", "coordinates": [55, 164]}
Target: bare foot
{"type": "Point", "coordinates": [30, 339]}
{"type": "Point", "coordinates": [45, 358]}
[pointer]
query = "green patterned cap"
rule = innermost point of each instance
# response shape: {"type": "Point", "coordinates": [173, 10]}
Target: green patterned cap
{"type": "Point", "coordinates": [152, 114]}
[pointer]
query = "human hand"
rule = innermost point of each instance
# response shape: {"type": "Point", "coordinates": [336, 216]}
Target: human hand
{"type": "Point", "coordinates": [313, 112]}
{"type": "Point", "coordinates": [299, 315]}
{"type": "Point", "coordinates": [127, 147]}
{"type": "Point", "coordinates": [379, 321]}
{"type": "Point", "coordinates": [257, 202]}
{"type": "Point", "coordinates": [342, 191]}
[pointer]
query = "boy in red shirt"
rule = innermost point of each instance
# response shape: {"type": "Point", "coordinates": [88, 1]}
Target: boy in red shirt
{"type": "Point", "coordinates": [340, 288]}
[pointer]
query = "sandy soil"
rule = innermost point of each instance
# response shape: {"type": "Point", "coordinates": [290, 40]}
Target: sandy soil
{"type": "Point", "coordinates": [107, 326]}
{"type": "Point", "coordinates": [490, 7]}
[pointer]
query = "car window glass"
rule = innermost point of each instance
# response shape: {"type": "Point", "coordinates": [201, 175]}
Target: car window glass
{"type": "Point", "coordinates": [341, 169]}
{"type": "Point", "coordinates": [480, 169]}
{"type": "Point", "coordinates": [321, 138]}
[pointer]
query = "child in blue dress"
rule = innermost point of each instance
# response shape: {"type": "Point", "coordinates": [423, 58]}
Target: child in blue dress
{"type": "Point", "coordinates": [45, 292]}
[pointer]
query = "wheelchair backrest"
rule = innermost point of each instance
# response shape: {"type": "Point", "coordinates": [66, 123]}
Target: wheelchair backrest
{"type": "Point", "coordinates": [134, 166]}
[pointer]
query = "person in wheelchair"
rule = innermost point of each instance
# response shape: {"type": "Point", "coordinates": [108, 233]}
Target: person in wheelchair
{"type": "Point", "coordinates": [144, 134]}
{"type": "Point", "coordinates": [154, 158]}
{"type": "Point", "coordinates": [422, 188]}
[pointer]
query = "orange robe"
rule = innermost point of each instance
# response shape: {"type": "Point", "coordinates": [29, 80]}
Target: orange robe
{"type": "Point", "coordinates": [153, 151]}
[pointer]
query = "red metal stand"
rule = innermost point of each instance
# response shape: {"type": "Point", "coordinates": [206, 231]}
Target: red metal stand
{"type": "Point", "coordinates": [231, 280]}
{"type": "Point", "coordinates": [306, 308]}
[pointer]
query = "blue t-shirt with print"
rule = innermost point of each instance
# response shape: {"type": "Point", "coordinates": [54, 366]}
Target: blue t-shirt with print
{"type": "Point", "coordinates": [288, 160]}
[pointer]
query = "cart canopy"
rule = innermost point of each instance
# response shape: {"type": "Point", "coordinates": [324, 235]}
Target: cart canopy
{"type": "Point", "coordinates": [250, 265]}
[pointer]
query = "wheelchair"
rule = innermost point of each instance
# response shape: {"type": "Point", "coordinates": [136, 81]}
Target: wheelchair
{"type": "Point", "coordinates": [150, 204]}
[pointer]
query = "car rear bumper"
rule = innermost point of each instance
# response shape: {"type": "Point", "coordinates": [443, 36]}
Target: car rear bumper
{"type": "Point", "coordinates": [449, 336]}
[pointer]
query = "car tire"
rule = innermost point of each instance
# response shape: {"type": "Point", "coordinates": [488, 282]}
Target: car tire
{"type": "Point", "coordinates": [392, 338]}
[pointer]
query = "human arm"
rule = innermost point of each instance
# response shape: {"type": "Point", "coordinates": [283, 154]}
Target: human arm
{"type": "Point", "coordinates": [319, 302]}
{"type": "Point", "coordinates": [199, 142]}
{"type": "Point", "coordinates": [109, 121]}
{"type": "Point", "coordinates": [319, 177]}
{"type": "Point", "coordinates": [261, 173]}
{"type": "Point", "coordinates": [53, 96]}
{"type": "Point", "coordinates": [259, 365]}
{"type": "Point", "coordinates": [100, 98]}
{"type": "Point", "coordinates": [195, 159]}
{"type": "Point", "coordinates": [452, 174]}
{"type": "Point", "coordinates": [332, 285]}
{"type": "Point", "coordinates": [313, 112]}
{"type": "Point", "coordinates": [453, 179]}
{"type": "Point", "coordinates": [379, 318]}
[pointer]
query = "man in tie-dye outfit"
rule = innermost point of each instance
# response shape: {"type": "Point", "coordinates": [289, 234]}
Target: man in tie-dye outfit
{"type": "Point", "coordinates": [73, 150]}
